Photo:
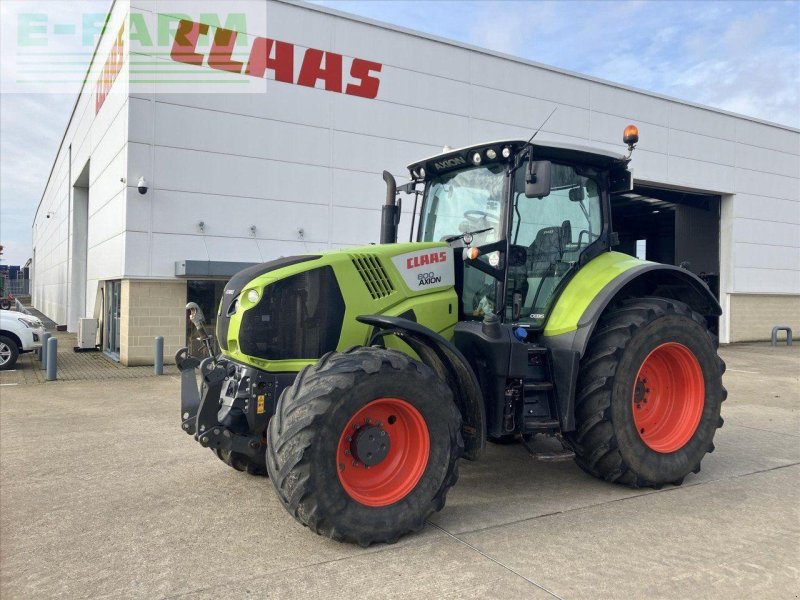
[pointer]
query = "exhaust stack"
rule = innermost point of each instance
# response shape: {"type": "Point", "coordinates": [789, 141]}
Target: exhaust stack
{"type": "Point", "coordinates": [390, 214]}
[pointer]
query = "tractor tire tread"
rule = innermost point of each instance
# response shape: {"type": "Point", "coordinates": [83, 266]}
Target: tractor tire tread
{"type": "Point", "coordinates": [594, 443]}
{"type": "Point", "coordinates": [304, 405]}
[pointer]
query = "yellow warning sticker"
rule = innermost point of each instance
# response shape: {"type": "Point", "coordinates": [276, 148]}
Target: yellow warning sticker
{"type": "Point", "coordinates": [260, 406]}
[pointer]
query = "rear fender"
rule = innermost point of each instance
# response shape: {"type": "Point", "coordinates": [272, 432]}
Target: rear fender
{"type": "Point", "coordinates": [642, 279]}
{"type": "Point", "coordinates": [449, 364]}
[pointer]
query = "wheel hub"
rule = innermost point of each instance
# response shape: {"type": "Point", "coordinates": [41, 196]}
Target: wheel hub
{"type": "Point", "coordinates": [639, 391]}
{"type": "Point", "coordinates": [383, 452]}
{"type": "Point", "coordinates": [370, 445]}
{"type": "Point", "coordinates": [668, 397]}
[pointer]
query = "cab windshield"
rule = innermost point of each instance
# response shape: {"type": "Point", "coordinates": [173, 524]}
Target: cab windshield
{"type": "Point", "coordinates": [546, 238]}
{"type": "Point", "coordinates": [464, 201]}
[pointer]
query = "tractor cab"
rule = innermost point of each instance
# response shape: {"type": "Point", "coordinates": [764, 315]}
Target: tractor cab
{"type": "Point", "coordinates": [527, 215]}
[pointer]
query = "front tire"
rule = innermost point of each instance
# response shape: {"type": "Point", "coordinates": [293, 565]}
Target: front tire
{"type": "Point", "coordinates": [9, 353]}
{"type": "Point", "coordinates": [649, 394]}
{"type": "Point", "coordinates": [242, 462]}
{"type": "Point", "coordinates": [364, 445]}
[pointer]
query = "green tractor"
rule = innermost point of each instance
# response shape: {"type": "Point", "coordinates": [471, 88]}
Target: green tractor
{"type": "Point", "coordinates": [356, 379]}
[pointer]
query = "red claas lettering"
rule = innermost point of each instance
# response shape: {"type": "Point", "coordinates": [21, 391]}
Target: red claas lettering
{"type": "Point", "coordinates": [426, 259]}
{"type": "Point", "coordinates": [279, 57]}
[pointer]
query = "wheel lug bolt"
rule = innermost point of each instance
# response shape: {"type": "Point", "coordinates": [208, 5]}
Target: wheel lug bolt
{"type": "Point", "coordinates": [355, 463]}
{"type": "Point", "coordinates": [349, 438]}
{"type": "Point", "coordinates": [347, 452]}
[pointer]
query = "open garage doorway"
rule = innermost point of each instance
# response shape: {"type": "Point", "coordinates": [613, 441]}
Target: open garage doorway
{"type": "Point", "coordinates": [670, 226]}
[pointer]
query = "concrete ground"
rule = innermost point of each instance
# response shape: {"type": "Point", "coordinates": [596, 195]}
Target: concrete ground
{"type": "Point", "coordinates": [101, 495]}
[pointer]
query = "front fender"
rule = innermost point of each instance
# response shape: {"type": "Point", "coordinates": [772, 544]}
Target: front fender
{"type": "Point", "coordinates": [448, 362]}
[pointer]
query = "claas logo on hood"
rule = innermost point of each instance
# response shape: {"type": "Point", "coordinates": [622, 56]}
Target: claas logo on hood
{"type": "Point", "coordinates": [426, 259]}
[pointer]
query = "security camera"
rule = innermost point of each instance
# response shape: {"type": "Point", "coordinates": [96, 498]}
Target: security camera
{"type": "Point", "coordinates": [142, 185]}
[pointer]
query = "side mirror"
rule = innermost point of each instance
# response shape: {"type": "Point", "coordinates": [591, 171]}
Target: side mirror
{"type": "Point", "coordinates": [537, 179]}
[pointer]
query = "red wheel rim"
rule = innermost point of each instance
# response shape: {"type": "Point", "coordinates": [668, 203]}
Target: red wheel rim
{"type": "Point", "coordinates": [668, 397]}
{"type": "Point", "coordinates": [394, 477]}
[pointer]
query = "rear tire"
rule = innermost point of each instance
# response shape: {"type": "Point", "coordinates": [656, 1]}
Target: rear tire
{"type": "Point", "coordinates": [9, 353]}
{"type": "Point", "coordinates": [649, 394]}
{"type": "Point", "coordinates": [242, 462]}
{"type": "Point", "coordinates": [314, 452]}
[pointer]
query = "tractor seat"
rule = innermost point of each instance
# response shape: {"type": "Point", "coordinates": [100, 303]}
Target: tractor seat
{"type": "Point", "coordinates": [544, 252]}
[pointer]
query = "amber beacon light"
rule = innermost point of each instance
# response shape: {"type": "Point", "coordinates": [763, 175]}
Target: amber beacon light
{"type": "Point", "coordinates": [630, 136]}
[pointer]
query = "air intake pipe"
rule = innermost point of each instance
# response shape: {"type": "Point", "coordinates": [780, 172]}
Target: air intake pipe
{"type": "Point", "coordinates": [390, 214]}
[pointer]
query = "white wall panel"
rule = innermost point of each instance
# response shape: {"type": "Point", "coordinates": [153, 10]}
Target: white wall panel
{"type": "Point", "coordinates": [352, 151]}
{"type": "Point", "coordinates": [767, 209]}
{"type": "Point", "coordinates": [759, 231]}
{"type": "Point", "coordinates": [701, 175]}
{"type": "Point", "coordinates": [395, 121]}
{"type": "Point", "coordinates": [766, 136]}
{"type": "Point", "coordinates": [776, 281]}
{"type": "Point", "coordinates": [106, 259]}
{"type": "Point", "coordinates": [767, 184]}
{"type": "Point", "coordinates": [528, 113]}
{"type": "Point", "coordinates": [355, 226]}
{"type": "Point", "coordinates": [764, 256]}
{"type": "Point", "coordinates": [387, 47]}
{"type": "Point", "coordinates": [754, 158]}
{"type": "Point", "coordinates": [505, 74]}
{"type": "Point", "coordinates": [701, 147]}
{"type": "Point", "coordinates": [221, 132]}
{"type": "Point", "coordinates": [632, 105]}
{"type": "Point", "coordinates": [701, 121]}
{"type": "Point", "coordinates": [137, 254]}
{"type": "Point", "coordinates": [230, 216]}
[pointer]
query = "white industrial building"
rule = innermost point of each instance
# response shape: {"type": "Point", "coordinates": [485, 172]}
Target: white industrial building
{"type": "Point", "coordinates": [237, 178]}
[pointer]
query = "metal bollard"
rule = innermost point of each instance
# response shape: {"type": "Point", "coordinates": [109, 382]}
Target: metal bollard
{"type": "Point", "coordinates": [158, 350]}
{"type": "Point", "coordinates": [43, 349]}
{"type": "Point", "coordinates": [52, 360]}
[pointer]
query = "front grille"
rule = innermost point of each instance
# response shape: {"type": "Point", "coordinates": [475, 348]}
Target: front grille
{"type": "Point", "coordinates": [299, 317]}
{"type": "Point", "coordinates": [373, 274]}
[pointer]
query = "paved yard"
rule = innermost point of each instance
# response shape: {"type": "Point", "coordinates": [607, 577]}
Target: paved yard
{"type": "Point", "coordinates": [101, 495]}
{"type": "Point", "coordinates": [74, 366]}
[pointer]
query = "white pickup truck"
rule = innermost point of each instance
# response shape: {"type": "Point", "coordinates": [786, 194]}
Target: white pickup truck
{"type": "Point", "coordinates": [18, 333]}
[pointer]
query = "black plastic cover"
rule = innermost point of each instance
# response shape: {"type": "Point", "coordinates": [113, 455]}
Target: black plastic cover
{"type": "Point", "coordinates": [241, 279]}
{"type": "Point", "coordinates": [299, 317]}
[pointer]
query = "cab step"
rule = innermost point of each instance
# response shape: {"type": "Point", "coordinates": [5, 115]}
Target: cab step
{"type": "Point", "coordinates": [548, 455]}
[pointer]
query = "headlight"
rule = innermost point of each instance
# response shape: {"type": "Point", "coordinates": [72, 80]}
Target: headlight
{"type": "Point", "coordinates": [252, 296]}
{"type": "Point", "coordinates": [491, 154]}
{"type": "Point", "coordinates": [476, 158]}
{"type": "Point", "coordinates": [30, 323]}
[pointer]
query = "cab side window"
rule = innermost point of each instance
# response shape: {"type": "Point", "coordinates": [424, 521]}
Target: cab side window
{"type": "Point", "coordinates": [552, 232]}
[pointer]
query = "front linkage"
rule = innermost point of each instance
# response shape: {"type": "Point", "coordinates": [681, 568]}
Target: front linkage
{"type": "Point", "coordinates": [230, 410]}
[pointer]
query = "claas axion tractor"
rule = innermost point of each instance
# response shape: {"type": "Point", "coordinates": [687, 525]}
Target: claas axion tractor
{"type": "Point", "coordinates": [356, 379]}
